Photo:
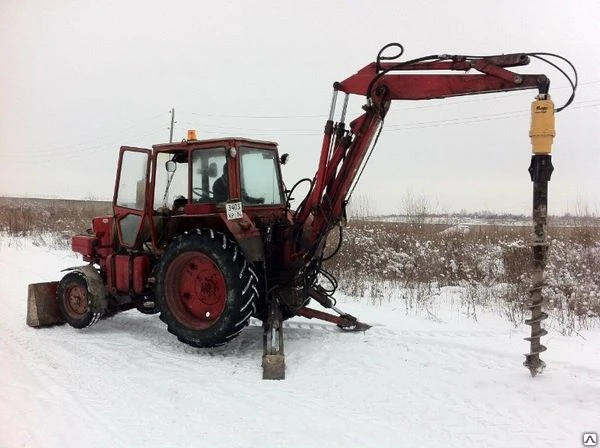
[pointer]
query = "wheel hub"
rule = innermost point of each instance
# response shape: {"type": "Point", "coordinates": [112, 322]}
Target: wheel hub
{"type": "Point", "coordinates": [76, 301]}
{"type": "Point", "coordinates": [198, 292]}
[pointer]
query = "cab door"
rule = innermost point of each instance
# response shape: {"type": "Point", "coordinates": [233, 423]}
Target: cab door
{"type": "Point", "coordinates": [131, 194]}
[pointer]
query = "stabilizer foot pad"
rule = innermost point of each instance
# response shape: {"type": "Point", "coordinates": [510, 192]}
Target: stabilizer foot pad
{"type": "Point", "coordinates": [273, 367]}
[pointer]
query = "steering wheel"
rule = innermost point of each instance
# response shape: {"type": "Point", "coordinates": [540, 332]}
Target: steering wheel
{"type": "Point", "coordinates": [202, 193]}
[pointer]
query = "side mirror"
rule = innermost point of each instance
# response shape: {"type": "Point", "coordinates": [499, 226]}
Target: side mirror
{"type": "Point", "coordinates": [170, 166]}
{"type": "Point", "coordinates": [284, 158]}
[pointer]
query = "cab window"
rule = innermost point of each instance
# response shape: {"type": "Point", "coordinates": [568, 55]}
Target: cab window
{"type": "Point", "coordinates": [208, 183]}
{"type": "Point", "coordinates": [171, 182]}
{"type": "Point", "coordinates": [132, 181]}
{"type": "Point", "coordinates": [259, 174]}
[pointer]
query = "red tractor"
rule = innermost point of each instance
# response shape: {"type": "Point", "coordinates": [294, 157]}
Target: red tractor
{"type": "Point", "coordinates": [202, 231]}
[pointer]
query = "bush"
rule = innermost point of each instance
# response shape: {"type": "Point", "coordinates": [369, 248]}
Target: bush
{"type": "Point", "coordinates": [26, 217]}
{"type": "Point", "coordinates": [486, 261]}
{"type": "Point", "coordinates": [491, 264]}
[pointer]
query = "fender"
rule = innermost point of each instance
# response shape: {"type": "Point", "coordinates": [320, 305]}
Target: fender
{"type": "Point", "coordinates": [95, 286]}
{"type": "Point", "coordinates": [247, 236]}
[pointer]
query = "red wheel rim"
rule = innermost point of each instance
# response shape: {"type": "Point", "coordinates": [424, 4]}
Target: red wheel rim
{"type": "Point", "coordinates": [195, 289]}
{"type": "Point", "coordinates": [76, 302]}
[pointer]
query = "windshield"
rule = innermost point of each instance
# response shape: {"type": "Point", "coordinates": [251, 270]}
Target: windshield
{"type": "Point", "coordinates": [260, 176]}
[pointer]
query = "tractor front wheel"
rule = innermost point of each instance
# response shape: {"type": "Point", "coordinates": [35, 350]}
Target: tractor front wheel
{"type": "Point", "coordinates": [205, 289]}
{"type": "Point", "coordinates": [75, 302]}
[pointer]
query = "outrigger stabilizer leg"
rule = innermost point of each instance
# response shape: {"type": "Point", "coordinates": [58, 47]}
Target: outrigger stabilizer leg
{"type": "Point", "coordinates": [345, 321]}
{"type": "Point", "coordinates": [273, 361]}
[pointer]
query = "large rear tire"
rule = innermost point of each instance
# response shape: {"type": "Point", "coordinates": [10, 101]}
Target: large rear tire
{"type": "Point", "coordinates": [205, 288]}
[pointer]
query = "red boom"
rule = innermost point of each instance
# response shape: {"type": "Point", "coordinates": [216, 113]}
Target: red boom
{"type": "Point", "coordinates": [342, 158]}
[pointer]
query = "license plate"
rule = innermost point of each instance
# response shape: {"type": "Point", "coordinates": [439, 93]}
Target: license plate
{"type": "Point", "coordinates": [234, 210]}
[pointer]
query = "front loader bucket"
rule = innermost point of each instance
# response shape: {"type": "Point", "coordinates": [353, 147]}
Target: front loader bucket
{"type": "Point", "coordinates": [42, 309]}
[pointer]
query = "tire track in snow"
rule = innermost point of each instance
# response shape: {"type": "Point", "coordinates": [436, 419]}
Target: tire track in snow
{"type": "Point", "coordinates": [450, 353]}
{"type": "Point", "coordinates": [438, 352]}
{"type": "Point", "coordinates": [435, 354]}
{"type": "Point", "coordinates": [458, 342]}
{"type": "Point", "coordinates": [54, 382]}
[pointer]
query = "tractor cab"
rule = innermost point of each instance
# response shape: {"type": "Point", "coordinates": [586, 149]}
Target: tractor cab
{"type": "Point", "coordinates": [194, 180]}
{"type": "Point", "coordinates": [216, 172]}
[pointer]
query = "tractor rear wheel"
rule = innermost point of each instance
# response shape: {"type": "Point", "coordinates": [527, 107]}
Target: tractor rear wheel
{"type": "Point", "coordinates": [75, 301]}
{"type": "Point", "coordinates": [205, 289]}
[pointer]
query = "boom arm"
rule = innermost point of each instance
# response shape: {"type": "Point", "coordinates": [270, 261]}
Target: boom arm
{"type": "Point", "coordinates": [343, 151]}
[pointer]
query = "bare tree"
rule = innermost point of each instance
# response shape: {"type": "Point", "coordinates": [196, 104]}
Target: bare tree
{"type": "Point", "coordinates": [360, 206]}
{"type": "Point", "coordinates": [416, 208]}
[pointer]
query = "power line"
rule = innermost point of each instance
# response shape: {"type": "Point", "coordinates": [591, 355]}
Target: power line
{"type": "Point", "coordinates": [93, 141]}
{"type": "Point", "coordinates": [411, 125]}
{"type": "Point", "coordinates": [260, 117]}
{"type": "Point", "coordinates": [426, 106]}
{"type": "Point", "coordinates": [28, 157]}
{"type": "Point", "coordinates": [478, 118]}
{"type": "Point", "coordinates": [70, 152]}
{"type": "Point", "coordinates": [235, 128]}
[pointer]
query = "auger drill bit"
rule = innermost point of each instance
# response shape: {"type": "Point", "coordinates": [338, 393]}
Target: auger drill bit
{"type": "Point", "coordinates": [540, 170]}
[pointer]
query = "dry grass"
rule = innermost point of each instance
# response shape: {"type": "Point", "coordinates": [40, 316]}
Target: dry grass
{"type": "Point", "coordinates": [28, 217]}
{"type": "Point", "coordinates": [490, 264]}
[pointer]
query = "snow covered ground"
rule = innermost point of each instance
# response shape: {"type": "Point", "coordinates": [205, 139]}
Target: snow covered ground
{"type": "Point", "coordinates": [410, 381]}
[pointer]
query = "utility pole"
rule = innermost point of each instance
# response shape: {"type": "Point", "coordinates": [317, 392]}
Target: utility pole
{"type": "Point", "coordinates": [172, 112]}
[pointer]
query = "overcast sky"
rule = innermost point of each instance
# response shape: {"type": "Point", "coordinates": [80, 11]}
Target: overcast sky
{"type": "Point", "coordinates": [81, 78]}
